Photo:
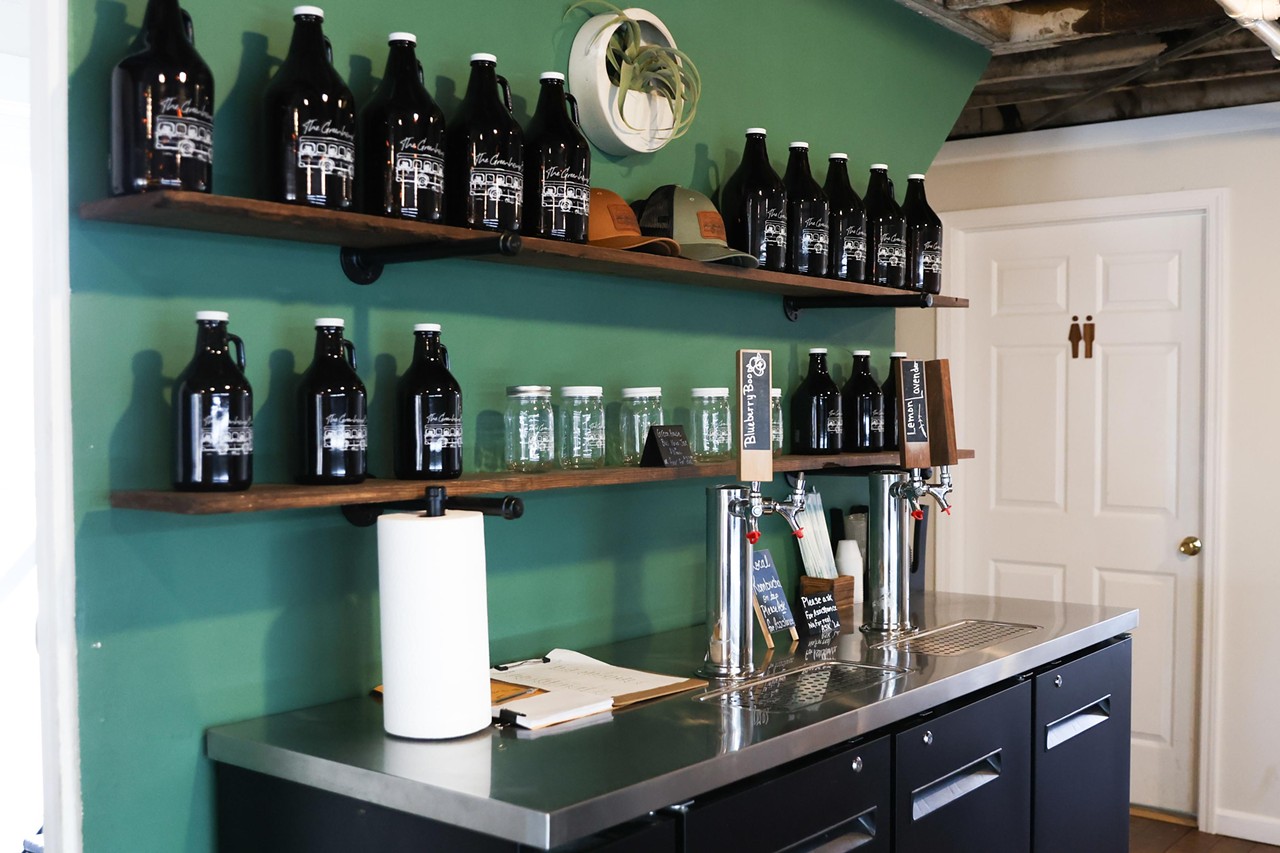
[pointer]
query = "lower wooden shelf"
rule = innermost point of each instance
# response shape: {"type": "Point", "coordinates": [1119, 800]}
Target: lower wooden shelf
{"type": "Point", "coordinates": [278, 496]}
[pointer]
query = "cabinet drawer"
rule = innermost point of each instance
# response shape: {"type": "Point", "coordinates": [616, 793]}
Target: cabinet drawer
{"type": "Point", "coordinates": [1080, 755]}
{"type": "Point", "coordinates": [963, 778]}
{"type": "Point", "coordinates": [837, 800]}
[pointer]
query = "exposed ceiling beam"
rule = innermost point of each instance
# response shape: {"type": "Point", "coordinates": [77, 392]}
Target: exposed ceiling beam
{"type": "Point", "coordinates": [1126, 104]}
{"type": "Point", "coordinates": [1109, 53]}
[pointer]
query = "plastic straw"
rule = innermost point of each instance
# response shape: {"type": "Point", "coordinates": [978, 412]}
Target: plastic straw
{"type": "Point", "coordinates": [815, 545]}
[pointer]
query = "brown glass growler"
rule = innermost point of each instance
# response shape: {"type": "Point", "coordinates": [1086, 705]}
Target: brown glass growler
{"type": "Point", "coordinates": [924, 239]}
{"type": "Point", "coordinates": [817, 420]}
{"type": "Point", "coordinates": [890, 392]}
{"type": "Point", "coordinates": [557, 166]}
{"type": "Point", "coordinates": [310, 122]}
{"type": "Point", "coordinates": [847, 223]}
{"type": "Point", "coordinates": [808, 243]}
{"type": "Point", "coordinates": [754, 205]}
{"type": "Point", "coordinates": [401, 141]}
{"type": "Point", "coordinates": [428, 412]}
{"type": "Point", "coordinates": [863, 406]}
{"type": "Point", "coordinates": [484, 185]}
{"type": "Point", "coordinates": [332, 411]}
{"type": "Point", "coordinates": [213, 413]}
{"type": "Point", "coordinates": [886, 232]}
{"type": "Point", "coordinates": [162, 108]}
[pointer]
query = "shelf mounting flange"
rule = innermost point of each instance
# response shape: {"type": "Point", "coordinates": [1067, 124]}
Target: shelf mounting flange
{"type": "Point", "coordinates": [364, 265]}
{"type": "Point", "coordinates": [793, 305]}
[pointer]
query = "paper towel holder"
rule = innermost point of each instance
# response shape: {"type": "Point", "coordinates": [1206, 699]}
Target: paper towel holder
{"type": "Point", "coordinates": [434, 502]}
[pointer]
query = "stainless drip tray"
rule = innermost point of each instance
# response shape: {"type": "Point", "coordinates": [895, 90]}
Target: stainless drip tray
{"type": "Point", "coordinates": [958, 637]}
{"type": "Point", "coordinates": [803, 687]}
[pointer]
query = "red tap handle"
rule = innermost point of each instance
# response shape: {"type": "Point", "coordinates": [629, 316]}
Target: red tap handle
{"type": "Point", "coordinates": [799, 533]}
{"type": "Point", "coordinates": [947, 510]}
{"type": "Point", "coordinates": [917, 514]}
{"type": "Point", "coordinates": [753, 536]}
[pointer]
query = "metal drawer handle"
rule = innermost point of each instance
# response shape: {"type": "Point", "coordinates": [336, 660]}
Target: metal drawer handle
{"type": "Point", "coordinates": [947, 789]}
{"type": "Point", "coordinates": [857, 764]}
{"type": "Point", "coordinates": [1077, 722]}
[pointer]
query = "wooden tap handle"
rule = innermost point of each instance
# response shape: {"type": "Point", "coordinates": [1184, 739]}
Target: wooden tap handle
{"type": "Point", "coordinates": [942, 419]}
{"type": "Point", "coordinates": [755, 446]}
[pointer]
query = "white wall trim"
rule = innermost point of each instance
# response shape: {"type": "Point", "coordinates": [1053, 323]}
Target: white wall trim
{"type": "Point", "coordinates": [55, 535]}
{"type": "Point", "coordinates": [1230, 120]}
{"type": "Point", "coordinates": [1254, 827]}
{"type": "Point", "coordinates": [1212, 204]}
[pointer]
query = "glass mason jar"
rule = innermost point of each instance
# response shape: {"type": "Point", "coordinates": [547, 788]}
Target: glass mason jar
{"type": "Point", "coordinates": [641, 408]}
{"type": "Point", "coordinates": [712, 436]}
{"type": "Point", "coordinates": [776, 428]}
{"type": "Point", "coordinates": [530, 429]}
{"type": "Point", "coordinates": [581, 424]}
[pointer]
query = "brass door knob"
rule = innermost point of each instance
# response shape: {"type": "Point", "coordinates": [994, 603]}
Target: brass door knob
{"type": "Point", "coordinates": [1190, 546]}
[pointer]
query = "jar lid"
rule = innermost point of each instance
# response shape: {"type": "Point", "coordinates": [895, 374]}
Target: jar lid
{"type": "Point", "coordinates": [882, 166]}
{"type": "Point", "coordinates": [915, 177]}
{"type": "Point", "coordinates": [337, 322]}
{"type": "Point", "coordinates": [409, 37]}
{"type": "Point", "coordinates": [426, 327]}
{"type": "Point", "coordinates": [484, 57]}
{"type": "Point", "coordinates": [643, 391]}
{"type": "Point", "coordinates": [308, 10]}
{"type": "Point", "coordinates": [551, 75]}
{"type": "Point", "coordinates": [775, 392]}
{"type": "Point", "coordinates": [582, 391]}
{"type": "Point", "coordinates": [897, 354]}
{"type": "Point", "coordinates": [862, 352]}
{"type": "Point", "coordinates": [817, 350]}
{"type": "Point", "coordinates": [752, 131]}
{"type": "Point", "coordinates": [710, 392]}
{"type": "Point", "coordinates": [528, 390]}
{"type": "Point", "coordinates": [803, 145]}
{"type": "Point", "coordinates": [216, 316]}
{"type": "Point", "coordinates": [839, 155]}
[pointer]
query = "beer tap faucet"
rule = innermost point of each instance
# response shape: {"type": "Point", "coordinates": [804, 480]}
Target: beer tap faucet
{"type": "Point", "coordinates": [733, 519]}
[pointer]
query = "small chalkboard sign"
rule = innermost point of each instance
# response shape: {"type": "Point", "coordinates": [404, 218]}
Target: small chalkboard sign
{"type": "Point", "coordinates": [772, 610]}
{"type": "Point", "coordinates": [915, 422]}
{"type": "Point", "coordinates": [821, 616]}
{"type": "Point", "coordinates": [666, 447]}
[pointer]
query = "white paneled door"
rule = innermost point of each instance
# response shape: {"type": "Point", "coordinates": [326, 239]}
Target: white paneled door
{"type": "Point", "coordinates": [1082, 356]}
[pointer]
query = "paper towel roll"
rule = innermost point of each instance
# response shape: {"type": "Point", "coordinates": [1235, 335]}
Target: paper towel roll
{"type": "Point", "coordinates": [435, 624]}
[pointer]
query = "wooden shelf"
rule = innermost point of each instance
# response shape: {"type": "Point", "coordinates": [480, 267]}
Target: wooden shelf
{"type": "Point", "coordinates": [278, 496]}
{"type": "Point", "coordinates": [252, 218]}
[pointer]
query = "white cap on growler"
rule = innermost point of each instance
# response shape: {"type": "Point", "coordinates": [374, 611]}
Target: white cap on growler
{"type": "Point", "coordinates": [308, 10]}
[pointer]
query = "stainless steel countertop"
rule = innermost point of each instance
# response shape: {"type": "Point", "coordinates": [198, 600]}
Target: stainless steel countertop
{"type": "Point", "coordinates": [550, 787]}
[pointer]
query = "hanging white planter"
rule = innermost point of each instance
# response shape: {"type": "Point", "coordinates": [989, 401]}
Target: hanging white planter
{"type": "Point", "coordinates": [648, 121]}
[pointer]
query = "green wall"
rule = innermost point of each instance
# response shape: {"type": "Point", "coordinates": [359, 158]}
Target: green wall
{"type": "Point", "coordinates": [189, 622]}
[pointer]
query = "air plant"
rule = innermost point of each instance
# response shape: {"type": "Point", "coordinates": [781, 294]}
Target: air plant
{"type": "Point", "coordinates": [650, 69]}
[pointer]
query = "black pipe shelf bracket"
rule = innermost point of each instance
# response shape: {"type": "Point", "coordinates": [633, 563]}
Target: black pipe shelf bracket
{"type": "Point", "coordinates": [793, 305]}
{"type": "Point", "coordinates": [364, 266]}
{"type": "Point", "coordinates": [434, 502]}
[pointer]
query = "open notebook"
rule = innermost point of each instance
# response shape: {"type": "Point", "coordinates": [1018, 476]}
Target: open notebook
{"type": "Point", "coordinates": [565, 685]}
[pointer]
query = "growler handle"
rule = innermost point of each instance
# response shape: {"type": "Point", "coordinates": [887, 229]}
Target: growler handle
{"type": "Point", "coordinates": [422, 76]}
{"type": "Point", "coordinates": [328, 49]}
{"type": "Point", "coordinates": [188, 27]}
{"type": "Point", "coordinates": [506, 91]}
{"type": "Point", "coordinates": [351, 352]}
{"type": "Point", "coordinates": [235, 339]}
{"type": "Point", "coordinates": [573, 108]}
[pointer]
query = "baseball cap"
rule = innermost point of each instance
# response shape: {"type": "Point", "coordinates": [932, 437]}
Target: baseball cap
{"type": "Point", "coordinates": [692, 220]}
{"type": "Point", "coordinates": [613, 224]}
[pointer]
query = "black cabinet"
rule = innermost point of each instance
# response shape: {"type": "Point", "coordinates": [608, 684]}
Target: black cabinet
{"type": "Point", "coordinates": [266, 814]}
{"type": "Point", "coordinates": [1080, 754]}
{"type": "Point", "coordinates": [838, 800]}
{"type": "Point", "coordinates": [962, 779]}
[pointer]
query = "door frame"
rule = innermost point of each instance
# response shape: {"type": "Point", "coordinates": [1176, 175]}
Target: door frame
{"type": "Point", "coordinates": [951, 340]}
{"type": "Point", "coordinates": [55, 511]}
